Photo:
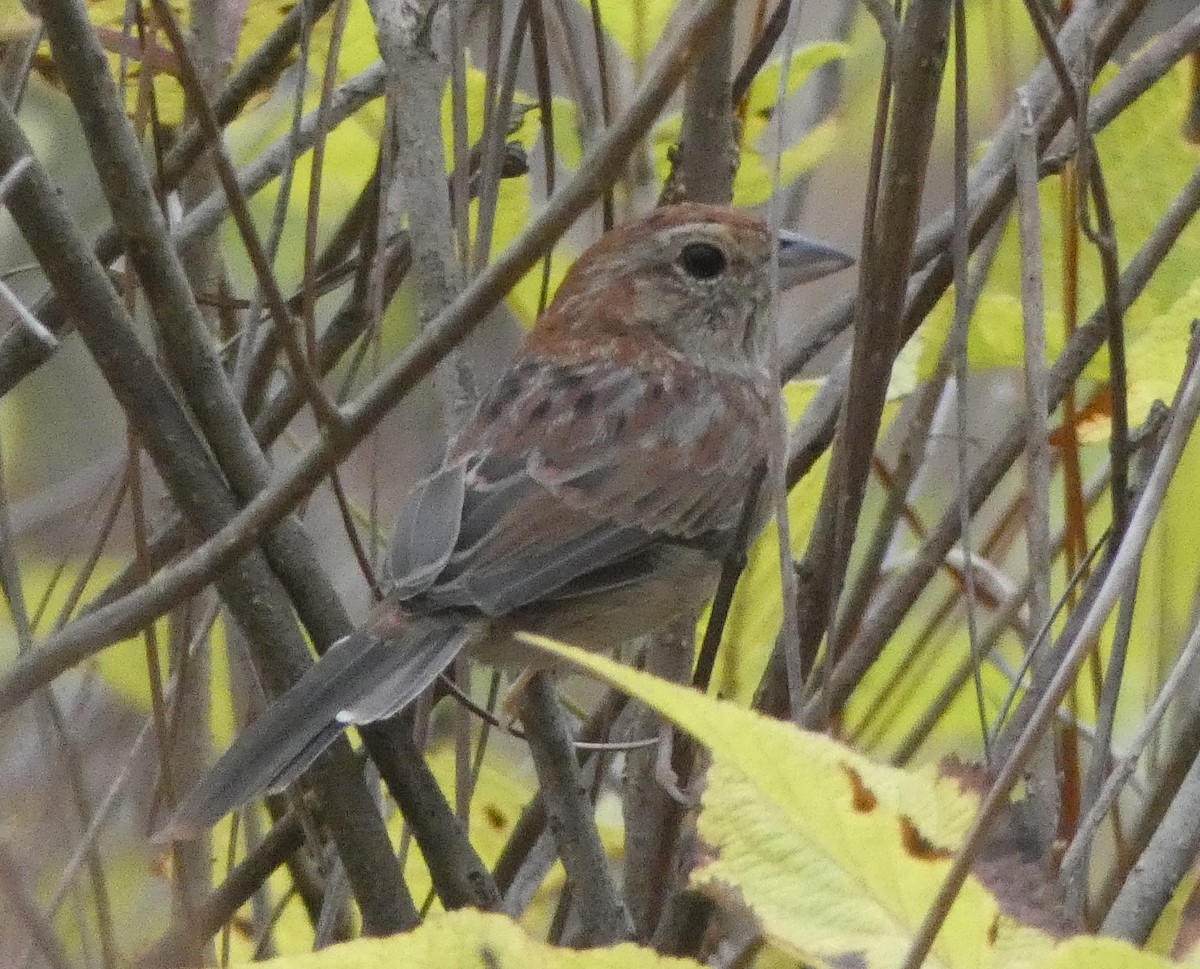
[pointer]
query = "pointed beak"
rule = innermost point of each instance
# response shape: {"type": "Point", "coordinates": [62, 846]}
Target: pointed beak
{"type": "Point", "coordinates": [801, 259]}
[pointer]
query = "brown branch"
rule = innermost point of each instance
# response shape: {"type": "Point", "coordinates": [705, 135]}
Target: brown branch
{"type": "Point", "coordinates": [19, 355]}
{"type": "Point", "coordinates": [252, 592]}
{"type": "Point", "coordinates": [1166, 868]}
{"type": "Point", "coordinates": [1082, 346]}
{"type": "Point", "coordinates": [571, 817]}
{"type": "Point", "coordinates": [887, 256]}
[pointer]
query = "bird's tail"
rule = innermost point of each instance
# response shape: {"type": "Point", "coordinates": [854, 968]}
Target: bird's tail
{"type": "Point", "coordinates": [367, 676]}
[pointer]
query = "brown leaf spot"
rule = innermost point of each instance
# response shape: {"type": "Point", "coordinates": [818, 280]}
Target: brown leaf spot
{"type": "Point", "coordinates": [917, 845]}
{"type": "Point", "coordinates": [861, 796]}
{"type": "Point", "coordinates": [495, 818]}
{"type": "Point", "coordinates": [993, 931]}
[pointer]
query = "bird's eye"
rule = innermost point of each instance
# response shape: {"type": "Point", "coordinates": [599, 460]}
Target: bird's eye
{"type": "Point", "coordinates": [702, 260]}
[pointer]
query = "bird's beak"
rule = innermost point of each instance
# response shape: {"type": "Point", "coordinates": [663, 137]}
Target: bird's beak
{"type": "Point", "coordinates": [801, 259]}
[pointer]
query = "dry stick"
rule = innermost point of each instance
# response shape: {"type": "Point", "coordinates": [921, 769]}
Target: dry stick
{"type": "Point", "coordinates": [323, 408]}
{"type": "Point", "coordinates": [571, 817]}
{"type": "Point", "coordinates": [1072, 873]}
{"type": "Point", "coordinates": [886, 260]}
{"type": "Point", "coordinates": [877, 626]}
{"type": "Point", "coordinates": [25, 912]}
{"type": "Point", "coordinates": [496, 122]}
{"type": "Point", "coordinates": [312, 215]}
{"type": "Point", "coordinates": [248, 586]}
{"type": "Point", "coordinates": [373, 873]}
{"type": "Point", "coordinates": [457, 870]}
{"type": "Point", "coordinates": [599, 168]}
{"type": "Point", "coordinates": [1043, 801]}
{"type": "Point", "coordinates": [249, 343]}
{"type": "Point", "coordinates": [991, 181]}
{"type": "Point", "coordinates": [13, 591]}
{"type": "Point", "coordinates": [239, 886]}
{"type": "Point", "coordinates": [960, 252]}
{"type": "Point", "coordinates": [538, 45]}
{"type": "Point", "coordinates": [348, 98]}
{"type": "Point", "coordinates": [1005, 617]}
{"type": "Point", "coordinates": [909, 460]}
{"type": "Point", "coordinates": [703, 171]}
{"type": "Point", "coordinates": [1072, 653]}
{"type": "Point", "coordinates": [532, 822]}
{"type": "Point", "coordinates": [413, 40]}
{"type": "Point", "coordinates": [1074, 862]}
{"type": "Point", "coordinates": [20, 356]}
{"type": "Point", "coordinates": [706, 157]}
{"type": "Point", "coordinates": [1167, 859]}
{"type": "Point", "coordinates": [598, 41]}
{"type": "Point", "coordinates": [338, 336]}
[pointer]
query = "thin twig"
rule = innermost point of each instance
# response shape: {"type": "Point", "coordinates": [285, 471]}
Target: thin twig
{"type": "Point", "coordinates": [883, 279]}
{"type": "Point", "coordinates": [1123, 567]}
{"type": "Point", "coordinates": [877, 626]}
{"type": "Point", "coordinates": [1125, 767]}
{"type": "Point", "coordinates": [960, 252]}
{"type": "Point", "coordinates": [249, 587]}
{"type": "Point", "coordinates": [1043, 803]}
{"type": "Point", "coordinates": [571, 817]}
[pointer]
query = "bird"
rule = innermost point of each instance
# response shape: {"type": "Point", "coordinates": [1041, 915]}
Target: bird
{"type": "Point", "coordinates": [592, 495]}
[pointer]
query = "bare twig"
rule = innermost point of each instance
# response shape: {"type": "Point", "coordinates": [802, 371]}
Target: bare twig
{"type": "Point", "coordinates": [414, 40]}
{"type": "Point", "coordinates": [1072, 866]}
{"type": "Point", "coordinates": [18, 355]}
{"type": "Point", "coordinates": [570, 816]}
{"type": "Point", "coordinates": [960, 253]}
{"type": "Point", "coordinates": [1080, 349]}
{"type": "Point", "coordinates": [878, 337]}
{"type": "Point", "coordinates": [707, 158]}
{"type": "Point", "coordinates": [1043, 802]}
{"type": "Point", "coordinates": [1123, 568]}
{"type": "Point", "coordinates": [252, 591]}
{"type": "Point", "coordinates": [25, 912]}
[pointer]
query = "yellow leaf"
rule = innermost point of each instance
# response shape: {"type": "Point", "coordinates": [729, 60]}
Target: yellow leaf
{"type": "Point", "coordinates": [1086, 952]}
{"type": "Point", "coordinates": [357, 50]}
{"type": "Point", "coordinates": [764, 90]}
{"type": "Point", "coordinates": [636, 25]}
{"type": "Point", "coordinates": [15, 21]}
{"type": "Point", "coordinates": [468, 938]}
{"type": "Point", "coordinates": [838, 857]}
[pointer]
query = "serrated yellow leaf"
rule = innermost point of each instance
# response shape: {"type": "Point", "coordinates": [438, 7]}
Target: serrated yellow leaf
{"type": "Point", "coordinates": [1086, 952]}
{"type": "Point", "coordinates": [838, 857]}
{"type": "Point", "coordinates": [467, 938]}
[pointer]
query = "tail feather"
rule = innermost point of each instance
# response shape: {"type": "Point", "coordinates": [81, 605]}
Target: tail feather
{"type": "Point", "coordinates": [360, 679]}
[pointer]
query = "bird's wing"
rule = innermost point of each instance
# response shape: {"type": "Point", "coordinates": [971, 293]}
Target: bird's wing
{"type": "Point", "coordinates": [572, 475]}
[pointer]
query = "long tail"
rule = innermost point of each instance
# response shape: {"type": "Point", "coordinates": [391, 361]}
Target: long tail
{"type": "Point", "coordinates": [361, 678]}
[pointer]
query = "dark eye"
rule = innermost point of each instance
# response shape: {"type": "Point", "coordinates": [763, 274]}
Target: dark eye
{"type": "Point", "coordinates": [702, 260]}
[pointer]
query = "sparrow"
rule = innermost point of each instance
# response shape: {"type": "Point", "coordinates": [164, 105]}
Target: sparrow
{"type": "Point", "coordinates": [591, 497]}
